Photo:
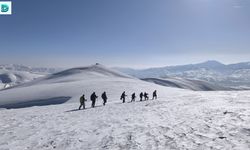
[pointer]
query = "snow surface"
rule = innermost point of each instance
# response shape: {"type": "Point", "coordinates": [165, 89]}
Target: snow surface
{"type": "Point", "coordinates": [193, 120]}
{"type": "Point", "coordinates": [179, 119]}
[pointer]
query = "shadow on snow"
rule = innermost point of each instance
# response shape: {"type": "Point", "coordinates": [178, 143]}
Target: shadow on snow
{"type": "Point", "coordinates": [83, 109]}
{"type": "Point", "coordinates": [40, 102]}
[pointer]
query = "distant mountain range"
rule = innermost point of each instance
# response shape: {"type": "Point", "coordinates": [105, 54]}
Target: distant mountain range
{"type": "Point", "coordinates": [232, 75]}
{"type": "Point", "coordinates": [40, 70]}
{"type": "Point", "coordinates": [209, 75]}
{"type": "Point", "coordinates": [13, 74]}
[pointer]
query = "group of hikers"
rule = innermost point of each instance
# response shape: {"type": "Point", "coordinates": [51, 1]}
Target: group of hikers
{"type": "Point", "coordinates": [93, 98]}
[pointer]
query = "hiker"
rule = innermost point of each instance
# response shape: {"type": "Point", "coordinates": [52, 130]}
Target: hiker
{"type": "Point", "coordinates": [123, 97]}
{"type": "Point", "coordinates": [141, 96]}
{"type": "Point", "coordinates": [104, 98]}
{"type": "Point", "coordinates": [145, 96]}
{"type": "Point", "coordinates": [82, 102]}
{"type": "Point", "coordinates": [93, 98]}
{"type": "Point", "coordinates": [133, 97]}
{"type": "Point", "coordinates": [154, 95]}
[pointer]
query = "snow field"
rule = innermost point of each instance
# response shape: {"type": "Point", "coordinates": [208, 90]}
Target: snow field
{"type": "Point", "coordinates": [194, 120]}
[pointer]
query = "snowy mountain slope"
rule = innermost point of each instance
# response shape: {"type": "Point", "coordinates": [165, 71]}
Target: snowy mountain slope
{"type": "Point", "coordinates": [13, 74]}
{"type": "Point", "coordinates": [193, 120]}
{"type": "Point", "coordinates": [232, 75]}
{"type": "Point", "coordinates": [178, 119]}
{"type": "Point", "coordinates": [196, 85]}
{"type": "Point", "coordinates": [11, 78]}
{"type": "Point", "coordinates": [70, 84]}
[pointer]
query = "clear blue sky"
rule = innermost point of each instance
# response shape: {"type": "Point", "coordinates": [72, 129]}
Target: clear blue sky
{"type": "Point", "coordinates": [135, 33]}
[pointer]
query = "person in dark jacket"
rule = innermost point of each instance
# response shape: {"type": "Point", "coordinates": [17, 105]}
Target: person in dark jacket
{"type": "Point", "coordinates": [141, 96]}
{"type": "Point", "coordinates": [123, 97]}
{"type": "Point", "coordinates": [93, 98]}
{"type": "Point", "coordinates": [82, 102]}
{"type": "Point", "coordinates": [154, 95]}
{"type": "Point", "coordinates": [145, 96]}
{"type": "Point", "coordinates": [133, 97]}
{"type": "Point", "coordinates": [104, 98]}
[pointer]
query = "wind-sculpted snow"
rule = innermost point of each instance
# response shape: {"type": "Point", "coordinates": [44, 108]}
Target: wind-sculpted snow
{"type": "Point", "coordinates": [193, 120]}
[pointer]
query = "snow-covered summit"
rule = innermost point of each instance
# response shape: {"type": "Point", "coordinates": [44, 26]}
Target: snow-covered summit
{"type": "Point", "coordinates": [94, 70]}
{"type": "Point", "coordinates": [211, 64]}
{"type": "Point", "coordinates": [70, 84]}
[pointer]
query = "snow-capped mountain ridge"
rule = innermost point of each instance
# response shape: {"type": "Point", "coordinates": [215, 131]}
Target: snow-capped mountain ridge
{"type": "Point", "coordinates": [12, 78]}
{"type": "Point", "coordinates": [195, 85]}
{"type": "Point", "coordinates": [78, 74]}
{"type": "Point", "coordinates": [234, 75]}
{"type": "Point", "coordinates": [18, 67]}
